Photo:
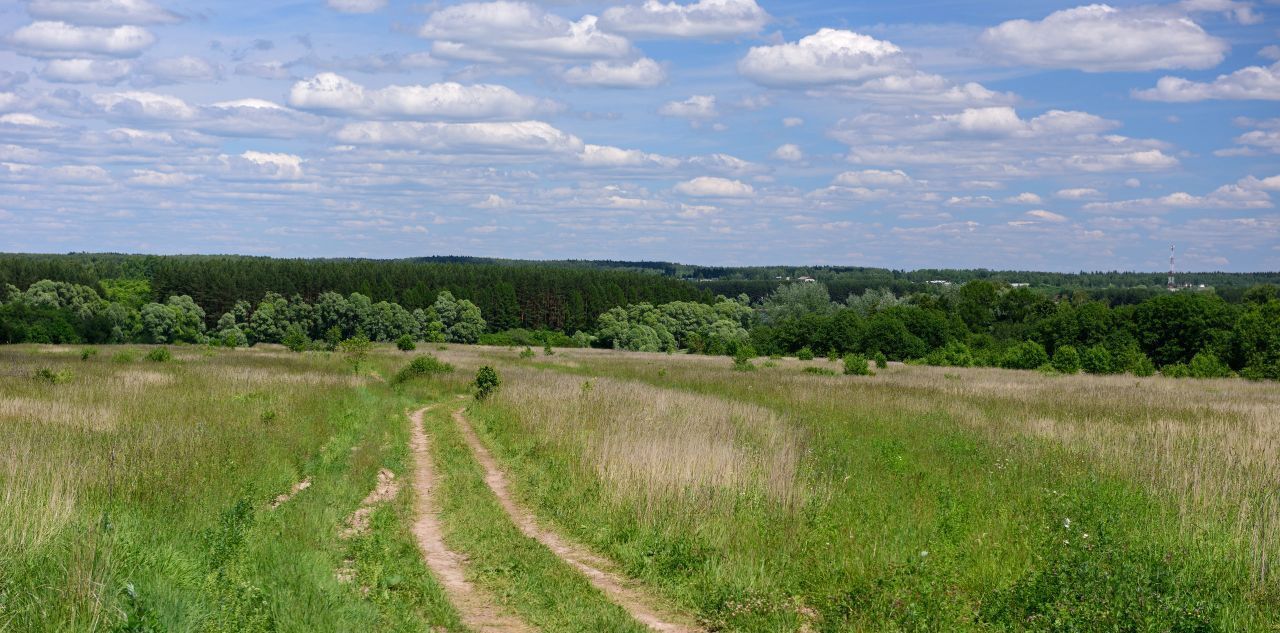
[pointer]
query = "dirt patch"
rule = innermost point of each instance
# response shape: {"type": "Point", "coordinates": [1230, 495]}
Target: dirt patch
{"type": "Point", "coordinates": [478, 611]}
{"type": "Point", "coordinates": [600, 572]}
{"type": "Point", "coordinates": [386, 490]}
{"type": "Point", "coordinates": [284, 498]}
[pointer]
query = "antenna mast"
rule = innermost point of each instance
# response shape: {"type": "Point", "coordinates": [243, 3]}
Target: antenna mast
{"type": "Point", "coordinates": [1172, 286]}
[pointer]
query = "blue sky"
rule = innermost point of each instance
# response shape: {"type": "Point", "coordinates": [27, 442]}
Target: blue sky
{"type": "Point", "coordinates": [1015, 135]}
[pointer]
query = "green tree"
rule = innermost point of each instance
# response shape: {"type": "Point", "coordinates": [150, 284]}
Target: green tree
{"type": "Point", "coordinates": [1066, 360]}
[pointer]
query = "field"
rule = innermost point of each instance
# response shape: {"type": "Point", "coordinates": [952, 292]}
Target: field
{"type": "Point", "coordinates": [259, 489]}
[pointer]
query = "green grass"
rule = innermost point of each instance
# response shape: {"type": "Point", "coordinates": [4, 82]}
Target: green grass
{"type": "Point", "coordinates": [528, 578]}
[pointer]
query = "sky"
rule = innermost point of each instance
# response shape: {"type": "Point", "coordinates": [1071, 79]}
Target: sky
{"type": "Point", "coordinates": [1004, 134]}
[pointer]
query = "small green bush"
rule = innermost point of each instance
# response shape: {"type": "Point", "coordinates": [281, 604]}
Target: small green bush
{"type": "Point", "coordinates": [159, 355]}
{"type": "Point", "coordinates": [856, 365]}
{"type": "Point", "coordinates": [486, 382]}
{"type": "Point", "coordinates": [332, 338]}
{"type": "Point", "coordinates": [355, 350]}
{"type": "Point", "coordinates": [406, 343]}
{"type": "Point", "coordinates": [547, 351]}
{"type": "Point", "coordinates": [881, 360]}
{"type": "Point", "coordinates": [742, 359]}
{"type": "Point", "coordinates": [1097, 360]}
{"type": "Point", "coordinates": [805, 354]}
{"type": "Point", "coordinates": [424, 365]}
{"type": "Point", "coordinates": [125, 356]}
{"type": "Point", "coordinates": [1206, 364]}
{"type": "Point", "coordinates": [1142, 366]}
{"type": "Point", "coordinates": [296, 340]}
{"type": "Point", "coordinates": [1175, 370]}
{"type": "Point", "coordinates": [1066, 360]}
{"type": "Point", "coordinates": [1024, 355]}
{"type": "Point", "coordinates": [87, 353]}
{"type": "Point", "coordinates": [821, 371]}
{"type": "Point", "coordinates": [527, 353]}
{"type": "Point", "coordinates": [832, 355]}
{"type": "Point", "coordinates": [53, 377]}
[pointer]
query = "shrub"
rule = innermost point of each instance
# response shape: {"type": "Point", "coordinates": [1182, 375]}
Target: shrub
{"type": "Point", "coordinates": [805, 354]}
{"type": "Point", "coordinates": [1206, 364]}
{"type": "Point", "coordinates": [547, 351]}
{"type": "Point", "coordinates": [406, 343]}
{"type": "Point", "coordinates": [856, 365]}
{"type": "Point", "coordinates": [742, 359]}
{"type": "Point", "coordinates": [332, 338]}
{"type": "Point", "coordinates": [296, 339]}
{"type": "Point", "coordinates": [1097, 360]}
{"type": "Point", "coordinates": [821, 371]}
{"type": "Point", "coordinates": [486, 382]}
{"type": "Point", "coordinates": [1024, 355]}
{"type": "Point", "coordinates": [1142, 366]}
{"type": "Point", "coordinates": [832, 355]}
{"type": "Point", "coordinates": [53, 377]}
{"type": "Point", "coordinates": [159, 355]}
{"type": "Point", "coordinates": [1175, 370]}
{"type": "Point", "coordinates": [1066, 360]}
{"type": "Point", "coordinates": [425, 365]}
{"type": "Point", "coordinates": [355, 350]}
{"type": "Point", "coordinates": [881, 361]}
{"type": "Point", "coordinates": [125, 356]}
{"type": "Point", "coordinates": [87, 353]}
{"type": "Point", "coordinates": [953, 354]}
{"type": "Point", "coordinates": [527, 353]}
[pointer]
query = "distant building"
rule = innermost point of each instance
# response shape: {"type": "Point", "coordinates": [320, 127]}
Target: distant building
{"type": "Point", "coordinates": [807, 280]}
{"type": "Point", "coordinates": [1019, 284]}
{"type": "Point", "coordinates": [939, 282]}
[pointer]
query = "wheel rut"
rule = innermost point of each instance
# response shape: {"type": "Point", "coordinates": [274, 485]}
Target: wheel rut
{"type": "Point", "coordinates": [478, 610]}
{"type": "Point", "coordinates": [599, 571]}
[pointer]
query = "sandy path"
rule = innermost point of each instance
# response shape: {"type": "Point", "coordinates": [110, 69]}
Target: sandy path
{"type": "Point", "coordinates": [478, 611]}
{"type": "Point", "coordinates": [622, 591]}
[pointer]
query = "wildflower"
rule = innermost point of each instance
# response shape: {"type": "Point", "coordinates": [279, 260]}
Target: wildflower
{"type": "Point", "coordinates": [924, 552]}
{"type": "Point", "coordinates": [1066, 523]}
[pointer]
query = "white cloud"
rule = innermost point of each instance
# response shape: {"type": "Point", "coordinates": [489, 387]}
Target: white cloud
{"type": "Point", "coordinates": [276, 165]}
{"type": "Point", "coordinates": [1025, 197]}
{"type": "Point", "coordinates": [520, 137]}
{"type": "Point", "coordinates": [606, 156]}
{"type": "Point", "coordinates": [1100, 38]}
{"type": "Point", "coordinates": [792, 121]}
{"type": "Point", "coordinates": [144, 105]}
{"type": "Point", "coordinates": [59, 39]}
{"type": "Point", "coordinates": [697, 107]}
{"type": "Point", "coordinates": [335, 93]}
{"type": "Point", "coordinates": [1271, 52]}
{"type": "Point", "coordinates": [356, 6]}
{"type": "Point", "coordinates": [788, 152]}
{"type": "Point", "coordinates": [1047, 216]}
{"type": "Point", "coordinates": [100, 71]}
{"type": "Point", "coordinates": [829, 56]}
{"type": "Point", "coordinates": [182, 69]}
{"type": "Point", "coordinates": [1248, 193]}
{"type": "Point", "coordinates": [1078, 193]}
{"type": "Point", "coordinates": [502, 30]}
{"type": "Point", "coordinates": [153, 178]}
{"type": "Point", "coordinates": [725, 164]}
{"type": "Point", "coordinates": [705, 18]}
{"type": "Point", "coordinates": [102, 12]}
{"type": "Point", "coordinates": [873, 178]}
{"type": "Point", "coordinates": [22, 119]}
{"type": "Point", "coordinates": [492, 201]}
{"type": "Point", "coordinates": [712, 187]}
{"type": "Point", "coordinates": [641, 73]}
{"type": "Point", "coordinates": [1251, 82]}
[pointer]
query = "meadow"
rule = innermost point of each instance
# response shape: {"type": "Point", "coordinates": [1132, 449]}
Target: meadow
{"type": "Point", "coordinates": [259, 489]}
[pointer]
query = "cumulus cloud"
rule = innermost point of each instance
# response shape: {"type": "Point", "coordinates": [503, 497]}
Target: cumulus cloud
{"type": "Point", "coordinates": [505, 30]}
{"type": "Point", "coordinates": [1025, 197]}
{"type": "Point", "coordinates": [873, 178]}
{"type": "Point", "coordinates": [60, 39]}
{"type": "Point", "coordinates": [713, 187]}
{"type": "Point", "coordinates": [606, 156]}
{"type": "Point", "coordinates": [99, 71]}
{"type": "Point", "coordinates": [144, 105]}
{"type": "Point", "coordinates": [356, 6]}
{"type": "Point", "coordinates": [788, 152]}
{"type": "Point", "coordinates": [1101, 38]}
{"type": "Point", "coordinates": [1248, 193]}
{"type": "Point", "coordinates": [184, 68]}
{"type": "Point", "coordinates": [697, 107]}
{"type": "Point", "coordinates": [334, 93]}
{"type": "Point", "coordinates": [856, 64]}
{"type": "Point", "coordinates": [519, 137]}
{"type": "Point", "coordinates": [1078, 193]}
{"type": "Point", "coordinates": [641, 73]}
{"type": "Point", "coordinates": [792, 121]}
{"type": "Point", "coordinates": [153, 178]}
{"type": "Point", "coordinates": [1250, 82]}
{"type": "Point", "coordinates": [1047, 216]}
{"type": "Point", "coordinates": [702, 19]}
{"type": "Point", "coordinates": [102, 12]}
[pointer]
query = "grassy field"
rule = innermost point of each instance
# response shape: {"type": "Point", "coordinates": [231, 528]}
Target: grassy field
{"type": "Point", "coordinates": [143, 495]}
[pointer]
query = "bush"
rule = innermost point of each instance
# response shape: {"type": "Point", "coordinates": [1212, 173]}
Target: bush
{"type": "Point", "coordinates": [355, 350]}
{"type": "Point", "coordinates": [406, 343]}
{"type": "Point", "coordinates": [805, 354]}
{"type": "Point", "coordinates": [742, 359]}
{"type": "Point", "coordinates": [547, 351]}
{"type": "Point", "coordinates": [296, 340]}
{"type": "Point", "coordinates": [122, 357]}
{"type": "Point", "coordinates": [332, 338]}
{"type": "Point", "coordinates": [425, 365]}
{"type": "Point", "coordinates": [486, 382]}
{"type": "Point", "coordinates": [821, 371]}
{"type": "Point", "coordinates": [953, 354]}
{"type": "Point", "coordinates": [1097, 360]}
{"type": "Point", "coordinates": [1024, 355]}
{"type": "Point", "coordinates": [87, 353]}
{"type": "Point", "coordinates": [1142, 366]}
{"type": "Point", "coordinates": [53, 377]}
{"type": "Point", "coordinates": [856, 365]}
{"type": "Point", "coordinates": [1175, 370]}
{"type": "Point", "coordinates": [881, 361]}
{"type": "Point", "coordinates": [527, 353]}
{"type": "Point", "coordinates": [1206, 364]}
{"type": "Point", "coordinates": [159, 355]}
{"type": "Point", "coordinates": [1066, 360]}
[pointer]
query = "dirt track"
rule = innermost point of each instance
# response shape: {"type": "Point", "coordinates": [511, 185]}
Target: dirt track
{"type": "Point", "coordinates": [622, 591]}
{"type": "Point", "coordinates": [479, 612]}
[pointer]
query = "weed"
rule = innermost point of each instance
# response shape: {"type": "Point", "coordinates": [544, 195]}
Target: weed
{"type": "Point", "coordinates": [87, 353]}
{"type": "Point", "coordinates": [52, 377]}
{"type": "Point", "coordinates": [160, 355]}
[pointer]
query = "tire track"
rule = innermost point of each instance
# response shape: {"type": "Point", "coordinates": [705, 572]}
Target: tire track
{"type": "Point", "coordinates": [478, 611]}
{"type": "Point", "coordinates": [599, 571]}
